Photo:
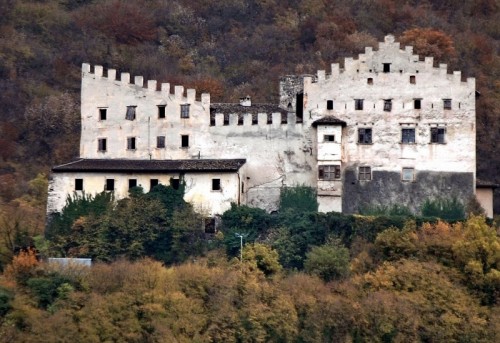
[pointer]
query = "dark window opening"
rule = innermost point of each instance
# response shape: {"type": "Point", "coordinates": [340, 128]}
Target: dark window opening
{"type": "Point", "coordinates": [160, 142]}
{"type": "Point", "coordinates": [329, 172]}
{"type": "Point", "coordinates": [101, 144]}
{"type": "Point", "coordinates": [175, 183]}
{"type": "Point", "coordinates": [447, 104]}
{"type": "Point", "coordinates": [212, 119]}
{"type": "Point", "coordinates": [329, 138]}
{"type": "Point", "coordinates": [255, 119]}
{"type": "Point", "coordinates": [103, 113]}
{"type": "Point", "coordinates": [408, 136]}
{"type": "Point", "coordinates": [387, 67]}
{"type": "Point", "coordinates": [365, 136]}
{"type": "Point", "coordinates": [130, 113]}
{"type": "Point", "coordinates": [131, 143]}
{"type": "Point", "coordinates": [358, 104]}
{"type": "Point", "coordinates": [388, 105]}
{"type": "Point", "coordinates": [153, 183]}
{"type": "Point", "coordinates": [412, 79]}
{"type": "Point", "coordinates": [299, 107]}
{"type": "Point", "coordinates": [329, 104]}
{"type": "Point", "coordinates": [365, 173]}
{"type": "Point", "coordinates": [284, 118]}
{"type": "Point", "coordinates": [370, 81]}
{"type": "Point", "coordinates": [185, 111]}
{"type": "Point", "coordinates": [216, 185]}
{"type": "Point", "coordinates": [110, 184]}
{"type": "Point", "coordinates": [438, 135]}
{"type": "Point", "coordinates": [184, 141]}
{"type": "Point", "coordinates": [226, 119]}
{"type": "Point", "coordinates": [417, 104]}
{"type": "Point", "coordinates": [78, 184]}
{"type": "Point", "coordinates": [240, 119]}
{"type": "Point", "coordinates": [269, 118]}
{"type": "Point", "coordinates": [210, 226]}
{"type": "Point", "coordinates": [161, 111]}
{"type": "Point", "coordinates": [132, 183]}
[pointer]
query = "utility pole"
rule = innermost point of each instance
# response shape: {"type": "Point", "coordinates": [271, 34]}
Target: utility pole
{"type": "Point", "coordinates": [241, 235]}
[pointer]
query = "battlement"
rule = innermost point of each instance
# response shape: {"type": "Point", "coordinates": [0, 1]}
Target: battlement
{"type": "Point", "coordinates": [164, 89]}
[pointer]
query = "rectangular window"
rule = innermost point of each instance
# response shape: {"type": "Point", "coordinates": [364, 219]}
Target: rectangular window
{"type": "Point", "coordinates": [370, 81]}
{"type": "Point", "coordinates": [358, 104]}
{"type": "Point", "coordinates": [103, 113]}
{"type": "Point", "coordinates": [365, 173]}
{"type": "Point", "coordinates": [132, 183]}
{"type": "Point", "coordinates": [329, 172]}
{"type": "Point", "coordinates": [329, 104]}
{"type": "Point", "coordinates": [365, 136]}
{"type": "Point", "coordinates": [184, 141]}
{"type": "Point", "coordinates": [329, 138]}
{"type": "Point", "coordinates": [437, 135]}
{"type": "Point", "coordinates": [388, 105]}
{"type": "Point", "coordinates": [78, 184]}
{"type": "Point", "coordinates": [417, 104]}
{"type": "Point", "coordinates": [216, 185]}
{"type": "Point", "coordinates": [212, 119]}
{"type": "Point", "coordinates": [160, 142]}
{"type": "Point", "coordinates": [130, 113]}
{"type": "Point", "coordinates": [161, 111]}
{"type": "Point", "coordinates": [240, 119]}
{"type": "Point", "coordinates": [412, 79]}
{"type": "Point", "coordinates": [185, 111]}
{"type": "Point", "coordinates": [101, 144]}
{"type": "Point", "coordinates": [255, 119]}
{"type": "Point", "coordinates": [269, 118]}
{"type": "Point", "coordinates": [131, 143]}
{"type": "Point", "coordinates": [175, 183]}
{"type": "Point", "coordinates": [387, 67]}
{"type": "Point", "coordinates": [408, 136]}
{"type": "Point", "coordinates": [447, 104]}
{"type": "Point", "coordinates": [110, 185]}
{"type": "Point", "coordinates": [153, 183]}
{"type": "Point", "coordinates": [225, 122]}
{"type": "Point", "coordinates": [408, 174]}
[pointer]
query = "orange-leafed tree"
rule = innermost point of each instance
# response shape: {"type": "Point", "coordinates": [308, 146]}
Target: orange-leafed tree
{"type": "Point", "coordinates": [429, 42]}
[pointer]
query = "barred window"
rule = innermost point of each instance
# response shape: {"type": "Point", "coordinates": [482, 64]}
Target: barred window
{"type": "Point", "coordinates": [365, 173]}
{"type": "Point", "coordinates": [130, 113]}
{"type": "Point", "coordinates": [160, 141]}
{"type": "Point", "coordinates": [185, 111]}
{"type": "Point", "coordinates": [365, 136]}
{"type": "Point", "coordinates": [329, 172]}
{"type": "Point", "coordinates": [438, 135]}
{"type": "Point", "coordinates": [408, 136]}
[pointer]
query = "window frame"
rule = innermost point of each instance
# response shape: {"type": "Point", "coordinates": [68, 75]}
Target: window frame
{"type": "Point", "coordinates": [131, 113]}
{"type": "Point", "coordinates": [408, 139]}
{"type": "Point", "coordinates": [329, 138]}
{"type": "Point", "coordinates": [387, 105]}
{"type": "Point", "coordinates": [184, 141]}
{"type": "Point", "coordinates": [102, 144]}
{"type": "Point", "coordinates": [108, 183]}
{"type": "Point", "coordinates": [358, 104]}
{"type": "Point", "coordinates": [153, 183]}
{"type": "Point", "coordinates": [162, 111]}
{"type": "Point", "coordinates": [417, 104]}
{"type": "Point", "coordinates": [413, 79]}
{"type": "Point", "coordinates": [386, 67]}
{"type": "Point", "coordinates": [160, 142]}
{"type": "Point", "coordinates": [329, 172]}
{"type": "Point", "coordinates": [185, 111]}
{"type": "Point", "coordinates": [103, 113]}
{"type": "Point", "coordinates": [216, 185]}
{"type": "Point", "coordinates": [78, 184]}
{"type": "Point", "coordinates": [365, 135]}
{"type": "Point", "coordinates": [131, 143]}
{"type": "Point", "coordinates": [436, 136]}
{"type": "Point", "coordinates": [403, 174]}
{"type": "Point", "coordinates": [329, 105]}
{"type": "Point", "coordinates": [364, 173]}
{"type": "Point", "coordinates": [132, 183]}
{"type": "Point", "coordinates": [447, 104]}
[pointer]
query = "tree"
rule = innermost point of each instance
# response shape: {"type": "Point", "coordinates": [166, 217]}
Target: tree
{"type": "Point", "coordinates": [329, 261]}
{"type": "Point", "coordinates": [263, 258]}
{"type": "Point", "coordinates": [429, 42]}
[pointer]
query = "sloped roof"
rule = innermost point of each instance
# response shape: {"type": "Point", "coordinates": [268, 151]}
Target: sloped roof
{"type": "Point", "coordinates": [145, 166]}
{"type": "Point", "coordinates": [328, 120]}
{"type": "Point", "coordinates": [485, 184]}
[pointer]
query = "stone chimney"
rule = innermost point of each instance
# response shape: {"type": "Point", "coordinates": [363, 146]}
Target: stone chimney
{"type": "Point", "coordinates": [246, 101]}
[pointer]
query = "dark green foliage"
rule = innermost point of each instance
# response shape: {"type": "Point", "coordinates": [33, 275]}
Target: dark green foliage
{"type": "Point", "coordinates": [329, 261]}
{"type": "Point", "coordinates": [5, 299]}
{"type": "Point", "coordinates": [446, 209]}
{"type": "Point", "coordinates": [47, 288]}
{"type": "Point", "coordinates": [298, 198]}
{"type": "Point", "coordinates": [394, 210]}
{"type": "Point", "coordinates": [171, 198]}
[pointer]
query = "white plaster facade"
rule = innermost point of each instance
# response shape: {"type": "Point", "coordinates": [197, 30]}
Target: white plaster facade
{"type": "Point", "coordinates": [315, 128]}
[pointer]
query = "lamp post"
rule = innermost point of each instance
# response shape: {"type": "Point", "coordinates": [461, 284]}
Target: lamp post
{"type": "Point", "coordinates": [241, 235]}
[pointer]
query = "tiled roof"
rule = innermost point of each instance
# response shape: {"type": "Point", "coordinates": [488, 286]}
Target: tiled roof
{"type": "Point", "coordinates": [485, 184]}
{"type": "Point", "coordinates": [328, 120]}
{"type": "Point", "coordinates": [122, 165]}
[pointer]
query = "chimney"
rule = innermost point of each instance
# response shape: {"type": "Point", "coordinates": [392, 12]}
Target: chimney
{"type": "Point", "coordinates": [246, 101]}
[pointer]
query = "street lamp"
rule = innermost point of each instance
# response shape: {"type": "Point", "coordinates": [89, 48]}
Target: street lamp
{"type": "Point", "coordinates": [241, 235]}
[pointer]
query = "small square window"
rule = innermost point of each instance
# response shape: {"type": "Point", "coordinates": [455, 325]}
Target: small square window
{"type": "Point", "coordinates": [447, 104]}
{"type": "Point", "coordinates": [110, 184]}
{"type": "Point", "coordinates": [329, 172]}
{"type": "Point", "coordinates": [184, 141]}
{"type": "Point", "coordinates": [216, 185]}
{"type": "Point", "coordinates": [130, 113]}
{"type": "Point", "coordinates": [358, 104]}
{"type": "Point", "coordinates": [78, 184]}
{"type": "Point", "coordinates": [365, 136]}
{"type": "Point", "coordinates": [438, 135]}
{"type": "Point", "coordinates": [329, 138]}
{"type": "Point", "coordinates": [412, 79]}
{"type": "Point", "coordinates": [175, 183]}
{"type": "Point", "coordinates": [417, 104]}
{"type": "Point", "coordinates": [365, 173]}
{"type": "Point", "coordinates": [408, 136]}
{"type": "Point", "coordinates": [329, 104]}
{"type": "Point", "coordinates": [408, 174]}
{"type": "Point", "coordinates": [103, 113]}
{"type": "Point", "coordinates": [185, 111]}
{"type": "Point", "coordinates": [131, 143]}
{"type": "Point", "coordinates": [387, 67]}
{"type": "Point", "coordinates": [370, 81]}
{"type": "Point", "coordinates": [388, 105]}
{"type": "Point", "coordinates": [161, 111]}
{"type": "Point", "coordinates": [132, 183]}
{"type": "Point", "coordinates": [160, 142]}
{"type": "Point", "coordinates": [153, 183]}
{"type": "Point", "coordinates": [102, 144]}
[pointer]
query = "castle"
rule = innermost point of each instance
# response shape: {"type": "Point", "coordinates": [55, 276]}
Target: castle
{"type": "Point", "coordinates": [387, 128]}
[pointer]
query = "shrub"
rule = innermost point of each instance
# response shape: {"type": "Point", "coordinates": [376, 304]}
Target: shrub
{"type": "Point", "coordinates": [329, 261]}
{"type": "Point", "coordinates": [298, 198]}
{"type": "Point", "coordinates": [446, 209]}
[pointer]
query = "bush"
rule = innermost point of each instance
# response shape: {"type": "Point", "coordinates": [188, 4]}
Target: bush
{"type": "Point", "coordinates": [329, 261]}
{"type": "Point", "coordinates": [446, 209]}
{"type": "Point", "coordinates": [298, 198]}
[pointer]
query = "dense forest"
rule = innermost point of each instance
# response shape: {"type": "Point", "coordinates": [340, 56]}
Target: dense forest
{"type": "Point", "coordinates": [305, 276]}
